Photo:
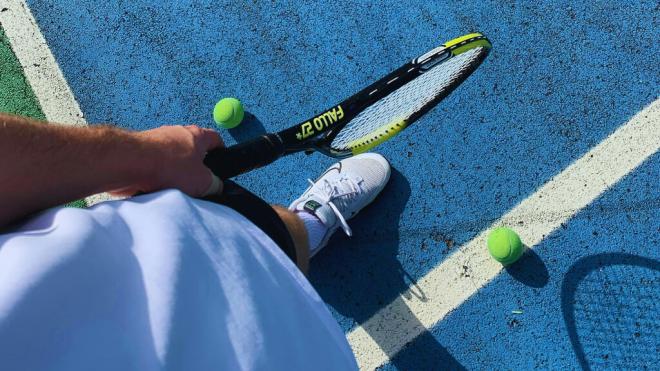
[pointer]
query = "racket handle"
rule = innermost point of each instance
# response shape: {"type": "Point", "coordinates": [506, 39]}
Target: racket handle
{"type": "Point", "coordinates": [240, 158]}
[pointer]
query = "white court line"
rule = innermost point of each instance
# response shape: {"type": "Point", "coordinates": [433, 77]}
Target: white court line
{"type": "Point", "coordinates": [41, 70]}
{"type": "Point", "coordinates": [39, 66]}
{"type": "Point", "coordinates": [463, 273]}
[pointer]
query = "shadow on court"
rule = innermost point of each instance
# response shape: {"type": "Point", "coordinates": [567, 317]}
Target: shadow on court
{"type": "Point", "coordinates": [610, 307]}
{"type": "Point", "coordinates": [529, 270]}
{"type": "Point", "coordinates": [250, 128]}
{"type": "Point", "coordinates": [358, 276]}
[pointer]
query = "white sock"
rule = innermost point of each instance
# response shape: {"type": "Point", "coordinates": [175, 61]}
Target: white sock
{"type": "Point", "coordinates": [316, 230]}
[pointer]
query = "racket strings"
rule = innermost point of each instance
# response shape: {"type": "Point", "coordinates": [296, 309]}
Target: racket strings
{"type": "Point", "coordinates": [404, 102]}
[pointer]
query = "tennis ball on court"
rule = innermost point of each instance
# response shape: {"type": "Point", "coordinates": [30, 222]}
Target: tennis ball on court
{"type": "Point", "coordinates": [504, 245]}
{"type": "Point", "coordinates": [228, 113]}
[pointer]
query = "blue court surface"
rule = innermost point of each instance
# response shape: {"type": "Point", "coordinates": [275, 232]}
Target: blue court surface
{"type": "Point", "coordinates": [562, 77]}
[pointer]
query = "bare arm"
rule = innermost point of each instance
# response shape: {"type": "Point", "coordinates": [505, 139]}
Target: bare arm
{"type": "Point", "coordinates": [45, 165]}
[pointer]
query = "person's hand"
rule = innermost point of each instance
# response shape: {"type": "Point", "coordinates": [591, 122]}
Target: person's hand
{"type": "Point", "coordinates": [172, 157]}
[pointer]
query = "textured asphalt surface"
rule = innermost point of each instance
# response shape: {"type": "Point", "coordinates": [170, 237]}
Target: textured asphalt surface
{"type": "Point", "coordinates": [562, 76]}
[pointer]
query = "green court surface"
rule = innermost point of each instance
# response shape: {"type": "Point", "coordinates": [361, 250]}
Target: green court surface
{"type": "Point", "coordinates": [16, 96]}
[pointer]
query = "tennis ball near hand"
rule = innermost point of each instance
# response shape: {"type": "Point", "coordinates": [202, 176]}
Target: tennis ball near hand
{"type": "Point", "coordinates": [228, 113]}
{"type": "Point", "coordinates": [505, 245]}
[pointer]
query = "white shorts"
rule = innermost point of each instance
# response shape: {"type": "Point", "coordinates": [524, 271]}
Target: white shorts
{"type": "Point", "coordinates": [160, 281]}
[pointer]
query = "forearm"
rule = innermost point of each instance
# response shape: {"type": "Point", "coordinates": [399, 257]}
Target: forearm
{"type": "Point", "coordinates": [47, 165]}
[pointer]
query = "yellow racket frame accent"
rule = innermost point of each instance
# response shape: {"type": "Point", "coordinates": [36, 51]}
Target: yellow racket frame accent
{"type": "Point", "coordinates": [469, 45]}
{"type": "Point", "coordinates": [377, 137]}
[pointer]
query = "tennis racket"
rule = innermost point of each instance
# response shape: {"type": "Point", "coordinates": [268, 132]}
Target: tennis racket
{"type": "Point", "coordinates": [368, 118]}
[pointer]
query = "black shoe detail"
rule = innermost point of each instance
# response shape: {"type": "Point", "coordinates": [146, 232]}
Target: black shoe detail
{"type": "Point", "coordinates": [311, 206]}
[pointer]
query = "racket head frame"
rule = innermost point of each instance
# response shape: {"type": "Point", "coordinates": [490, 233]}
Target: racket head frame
{"type": "Point", "coordinates": [317, 133]}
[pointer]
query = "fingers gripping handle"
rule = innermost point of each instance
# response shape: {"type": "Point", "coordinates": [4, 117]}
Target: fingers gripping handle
{"type": "Point", "coordinates": [243, 157]}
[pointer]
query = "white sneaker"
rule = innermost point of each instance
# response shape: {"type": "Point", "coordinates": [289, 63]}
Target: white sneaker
{"type": "Point", "coordinates": [343, 190]}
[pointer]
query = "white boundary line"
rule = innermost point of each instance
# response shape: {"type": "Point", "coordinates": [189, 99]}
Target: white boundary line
{"type": "Point", "coordinates": [465, 272]}
{"type": "Point", "coordinates": [39, 66]}
{"type": "Point", "coordinates": [41, 70]}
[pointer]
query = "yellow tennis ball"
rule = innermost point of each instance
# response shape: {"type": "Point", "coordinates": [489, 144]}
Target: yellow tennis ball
{"type": "Point", "coordinates": [228, 113]}
{"type": "Point", "coordinates": [504, 245]}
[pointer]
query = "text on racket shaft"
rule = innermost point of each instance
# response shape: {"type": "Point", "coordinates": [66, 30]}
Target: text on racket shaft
{"type": "Point", "coordinates": [320, 122]}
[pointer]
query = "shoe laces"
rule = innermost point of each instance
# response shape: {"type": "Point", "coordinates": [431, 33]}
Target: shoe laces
{"type": "Point", "coordinates": [340, 192]}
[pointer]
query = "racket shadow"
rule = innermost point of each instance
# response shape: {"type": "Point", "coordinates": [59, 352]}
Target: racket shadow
{"type": "Point", "coordinates": [358, 276]}
{"type": "Point", "coordinates": [609, 303]}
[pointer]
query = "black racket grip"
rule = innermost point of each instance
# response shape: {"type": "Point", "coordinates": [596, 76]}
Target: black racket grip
{"type": "Point", "coordinates": [240, 158]}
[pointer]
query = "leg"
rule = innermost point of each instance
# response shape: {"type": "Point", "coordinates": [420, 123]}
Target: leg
{"type": "Point", "coordinates": [324, 207]}
{"type": "Point", "coordinates": [298, 233]}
